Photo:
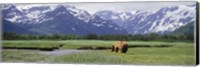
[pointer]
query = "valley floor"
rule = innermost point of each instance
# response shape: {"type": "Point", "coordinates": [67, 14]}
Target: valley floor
{"type": "Point", "coordinates": [181, 53]}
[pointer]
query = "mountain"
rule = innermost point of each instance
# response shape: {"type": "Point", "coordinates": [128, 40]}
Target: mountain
{"type": "Point", "coordinates": [66, 19]}
{"type": "Point", "coordinates": [118, 18]}
{"type": "Point", "coordinates": [163, 20]}
{"type": "Point", "coordinates": [60, 19]}
{"type": "Point", "coordinates": [185, 30]}
{"type": "Point", "coordinates": [9, 27]}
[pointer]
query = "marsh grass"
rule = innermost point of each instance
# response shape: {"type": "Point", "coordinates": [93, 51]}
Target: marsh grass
{"type": "Point", "coordinates": [181, 53]}
{"type": "Point", "coordinates": [73, 44]}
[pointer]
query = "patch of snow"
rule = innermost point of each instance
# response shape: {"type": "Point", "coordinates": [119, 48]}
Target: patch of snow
{"type": "Point", "coordinates": [60, 13]}
{"type": "Point", "coordinates": [34, 15]}
{"type": "Point", "coordinates": [124, 16]}
{"type": "Point", "coordinates": [116, 28]}
{"type": "Point", "coordinates": [133, 12]}
{"type": "Point", "coordinates": [110, 26]}
{"type": "Point", "coordinates": [47, 19]}
{"type": "Point", "coordinates": [114, 17]}
{"type": "Point", "coordinates": [98, 25]}
{"type": "Point", "coordinates": [80, 14]}
{"type": "Point", "coordinates": [104, 22]}
{"type": "Point", "coordinates": [14, 18]}
{"type": "Point", "coordinates": [28, 6]}
{"type": "Point", "coordinates": [73, 29]}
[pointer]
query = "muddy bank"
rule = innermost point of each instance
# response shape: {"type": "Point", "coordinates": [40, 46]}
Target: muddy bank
{"type": "Point", "coordinates": [93, 48]}
{"type": "Point", "coordinates": [34, 48]}
{"type": "Point", "coordinates": [157, 46]}
{"type": "Point", "coordinates": [84, 47]}
{"type": "Point", "coordinates": [129, 46]}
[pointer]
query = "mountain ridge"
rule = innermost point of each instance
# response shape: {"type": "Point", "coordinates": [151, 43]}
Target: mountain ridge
{"type": "Point", "coordinates": [66, 19]}
{"type": "Point", "coordinates": [63, 22]}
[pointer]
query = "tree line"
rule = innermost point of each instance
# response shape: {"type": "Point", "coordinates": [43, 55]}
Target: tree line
{"type": "Point", "coordinates": [92, 36]}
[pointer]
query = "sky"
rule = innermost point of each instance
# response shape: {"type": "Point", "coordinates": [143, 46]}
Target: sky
{"type": "Point", "coordinates": [61, 1]}
{"type": "Point", "coordinates": [126, 6]}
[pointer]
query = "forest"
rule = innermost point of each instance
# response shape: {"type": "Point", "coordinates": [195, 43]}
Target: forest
{"type": "Point", "coordinates": [92, 36]}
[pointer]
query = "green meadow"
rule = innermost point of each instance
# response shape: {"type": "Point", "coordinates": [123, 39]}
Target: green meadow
{"type": "Point", "coordinates": [179, 53]}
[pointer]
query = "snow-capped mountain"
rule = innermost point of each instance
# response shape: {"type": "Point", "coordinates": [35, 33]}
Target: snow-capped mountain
{"type": "Point", "coordinates": [36, 13]}
{"type": "Point", "coordinates": [25, 15]}
{"type": "Point", "coordinates": [66, 19]}
{"type": "Point", "coordinates": [163, 20]}
{"type": "Point", "coordinates": [62, 19]}
{"type": "Point", "coordinates": [118, 18]}
{"type": "Point", "coordinates": [80, 14]}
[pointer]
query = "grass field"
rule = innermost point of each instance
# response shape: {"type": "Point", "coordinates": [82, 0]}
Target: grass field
{"type": "Point", "coordinates": [181, 53]}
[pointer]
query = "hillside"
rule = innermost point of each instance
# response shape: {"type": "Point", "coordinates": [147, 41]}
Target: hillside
{"type": "Point", "coordinates": [185, 30]}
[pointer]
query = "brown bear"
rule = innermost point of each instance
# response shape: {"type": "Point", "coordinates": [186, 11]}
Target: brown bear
{"type": "Point", "coordinates": [121, 46]}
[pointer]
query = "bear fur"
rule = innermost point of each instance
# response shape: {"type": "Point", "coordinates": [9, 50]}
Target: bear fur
{"type": "Point", "coordinates": [121, 46]}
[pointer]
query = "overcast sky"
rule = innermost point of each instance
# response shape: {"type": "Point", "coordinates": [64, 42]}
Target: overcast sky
{"type": "Point", "coordinates": [123, 7]}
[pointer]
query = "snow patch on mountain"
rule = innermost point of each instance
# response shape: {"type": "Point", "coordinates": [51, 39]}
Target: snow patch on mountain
{"type": "Point", "coordinates": [14, 18]}
{"type": "Point", "coordinates": [124, 16]}
{"type": "Point", "coordinates": [29, 6]}
{"type": "Point", "coordinates": [171, 20]}
{"type": "Point", "coordinates": [80, 14]}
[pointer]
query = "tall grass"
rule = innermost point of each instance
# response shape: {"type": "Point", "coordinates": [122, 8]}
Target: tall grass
{"type": "Point", "coordinates": [181, 53]}
{"type": "Point", "coordinates": [73, 44]}
{"type": "Point", "coordinates": [91, 57]}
